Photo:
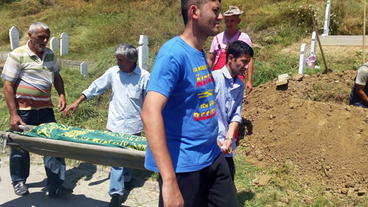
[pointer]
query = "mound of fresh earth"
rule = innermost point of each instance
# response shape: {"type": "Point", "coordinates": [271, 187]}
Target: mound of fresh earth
{"type": "Point", "coordinates": [310, 128]}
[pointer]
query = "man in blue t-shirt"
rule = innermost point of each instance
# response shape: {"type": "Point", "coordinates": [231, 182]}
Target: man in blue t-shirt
{"type": "Point", "coordinates": [179, 116]}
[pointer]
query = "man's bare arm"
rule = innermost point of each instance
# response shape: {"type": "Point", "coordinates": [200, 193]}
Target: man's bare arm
{"type": "Point", "coordinates": [359, 89]}
{"type": "Point", "coordinates": [211, 59]}
{"type": "Point", "coordinates": [59, 86]}
{"type": "Point", "coordinates": [156, 140]}
{"type": "Point", "coordinates": [9, 93]}
{"type": "Point", "coordinates": [249, 84]}
{"type": "Point", "coordinates": [74, 105]}
{"type": "Point", "coordinates": [233, 126]}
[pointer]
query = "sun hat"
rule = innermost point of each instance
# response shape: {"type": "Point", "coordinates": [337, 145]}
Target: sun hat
{"type": "Point", "coordinates": [233, 10]}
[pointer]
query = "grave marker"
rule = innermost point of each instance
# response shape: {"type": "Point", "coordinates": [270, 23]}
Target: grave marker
{"type": "Point", "coordinates": [84, 69]}
{"type": "Point", "coordinates": [54, 44]}
{"type": "Point", "coordinates": [303, 51]}
{"type": "Point", "coordinates": [64, 43]}
{"type": "Point", "coordinates": [327, 19]}
{"type": "Point", "coordinates": [14, 37]}
{"type": "Point", "coordinates": [313, 43]}
{"type": "Point", "coordinates": [143, 52]}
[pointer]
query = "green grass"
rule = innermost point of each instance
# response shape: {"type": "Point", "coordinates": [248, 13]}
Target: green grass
{"type": "Point", "coordinates": [96, 27]}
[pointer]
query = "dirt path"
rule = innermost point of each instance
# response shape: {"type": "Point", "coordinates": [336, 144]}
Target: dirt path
{"type": "Point", "coordinates": [90, 184]}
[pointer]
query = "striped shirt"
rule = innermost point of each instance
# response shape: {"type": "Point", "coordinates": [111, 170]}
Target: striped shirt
{"type": "Point", "coordinates": [33, 77]}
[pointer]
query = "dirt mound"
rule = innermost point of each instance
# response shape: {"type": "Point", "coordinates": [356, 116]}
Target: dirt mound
{"type": "Point", "coordinates": [310, 128]}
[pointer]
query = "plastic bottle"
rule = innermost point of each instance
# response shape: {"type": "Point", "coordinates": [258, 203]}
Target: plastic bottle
{"type": "Point", "coordinates": [311, 60]}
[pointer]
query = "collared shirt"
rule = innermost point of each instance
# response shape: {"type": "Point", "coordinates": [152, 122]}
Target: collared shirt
{"type": "Point", "coordinates": [33, 77]}
{"type": "Point", "coordinates": [224, 42]}
{"type": "Point", "coordinates": [128, 92]}
{"type": "Point", "coordinates": [229, 96]}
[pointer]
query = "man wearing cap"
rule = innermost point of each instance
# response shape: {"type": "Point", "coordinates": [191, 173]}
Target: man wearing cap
{"type": "Point", "coordinates": [222, 40]}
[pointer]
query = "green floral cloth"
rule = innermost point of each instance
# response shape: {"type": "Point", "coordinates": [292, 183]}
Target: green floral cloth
{"type": "Point", "coordinates": [96, 137]}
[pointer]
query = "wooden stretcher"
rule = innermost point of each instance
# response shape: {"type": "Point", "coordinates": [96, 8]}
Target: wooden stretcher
{"type": "Point", "coordinates": [103, 155]}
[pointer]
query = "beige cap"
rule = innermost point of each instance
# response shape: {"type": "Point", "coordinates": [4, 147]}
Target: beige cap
{"type": "Point", "coordinates": [233, 10]}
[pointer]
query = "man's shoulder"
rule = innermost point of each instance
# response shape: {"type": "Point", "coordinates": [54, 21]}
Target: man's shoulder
{"type": "Point", "coordinates": [143, 71]}
{"type": "Point", "coordinates": [171, 46]}
{"type": "Point", "coordinates": [219, 35]}
{"type": "Point", "coordinates": [22, 50]}
{"type": "Point", "coordinates": [114, 68]}
{"type": "Point", "coordinates": [216, 72]}
{"type": "Point", "coordinates": [176, 49]}
{"type": "Point", "coordinates": [245, 37]}
{"type": "Point", "coordinates": [243, 34]}
{"type": "Point", "coordinates": [218, 75]}
{"type": "Point", "coordinates": [49, 51]}
{"type": "Point", "coordinates": [363, 68]}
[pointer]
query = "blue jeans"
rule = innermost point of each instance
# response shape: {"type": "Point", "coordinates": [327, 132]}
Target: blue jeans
{"type": "Point", "coordinates": [118, 176]}
{"type": "Point", "coordinates": [358, 104]}
{"type": "Point", "coordinates": [19, 159]}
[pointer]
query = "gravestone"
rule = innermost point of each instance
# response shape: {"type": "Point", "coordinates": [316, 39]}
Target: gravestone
{"type": "Point", "coordinates": [313, 42]}
{"type": "Point", "coordinates": [54, 44]}
{"type": "Point", "coordinates": [64, 43]}
{"type": "Point", "coordinates": [84, 69]}
{"type": "Point", "coordinates": [303, 51]}
{"type": "Point", "coordinates": [143, 52]}
{"type": "Point", "coordinates": [327, 19]}
{"type": "Point", "coordinates": [14, 37]}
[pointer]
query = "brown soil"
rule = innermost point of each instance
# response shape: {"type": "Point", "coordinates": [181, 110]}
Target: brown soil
{"type": "Point", "coordinates": [310, 128]}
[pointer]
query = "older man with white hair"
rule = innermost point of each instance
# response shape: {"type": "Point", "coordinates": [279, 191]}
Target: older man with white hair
{"type": "Point", "coordinates": [29, 73]}
{"type": "Point", "coordinates": [128, 83]}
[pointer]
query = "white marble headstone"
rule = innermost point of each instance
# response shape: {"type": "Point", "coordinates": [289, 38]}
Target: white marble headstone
{"type": "Point", "coordinates": [14, 37]}
{"type": "Point", "coordinates": [84, 69]}
{"type": "Point", "coordinates": [143, 52]}
{"type": "Point", "coordinates": [327, 19]}
{"type": "Point", "coordinates": [303, 51]}
{"type": "Point", "coordinates": [313, 42]}
{"type": "Point", "coordinates": [54, 44]}
{"type": "Point", "coordinates": [64, 43]}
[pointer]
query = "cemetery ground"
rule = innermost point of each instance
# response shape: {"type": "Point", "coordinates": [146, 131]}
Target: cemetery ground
{"type": "Point", "coordinates": [304, 146]}
{"type": "Point", "coordinates": [90, 184]}
{"type": "Point", "coordinates": [301, 146]}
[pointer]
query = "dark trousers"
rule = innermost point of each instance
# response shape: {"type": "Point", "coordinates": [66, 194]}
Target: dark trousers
{"type": "Point", "coordinates": [212, 186]}
{"type": "Point", "coordinates": [19, 159]}
{"type": "Point", "coordinates": [230, 163]}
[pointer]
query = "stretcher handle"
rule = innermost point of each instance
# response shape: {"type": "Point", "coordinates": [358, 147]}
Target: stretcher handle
{"type": "Point", "coordinates": [4, 141]}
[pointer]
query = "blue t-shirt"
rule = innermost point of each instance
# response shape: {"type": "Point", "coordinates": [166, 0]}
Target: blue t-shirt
{"type": "Point", "coordinates": [181, 73]}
